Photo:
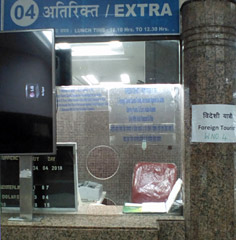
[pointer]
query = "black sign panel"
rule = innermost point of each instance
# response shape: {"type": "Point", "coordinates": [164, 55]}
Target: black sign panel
{"type": "Point", "coordinates": [27, 98]}
{"type": "Point", "coordinates": [54, 177]}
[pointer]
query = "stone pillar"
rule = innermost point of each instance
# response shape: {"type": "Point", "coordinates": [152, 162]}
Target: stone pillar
{"type": "Point", "coordinates": [209, 41]}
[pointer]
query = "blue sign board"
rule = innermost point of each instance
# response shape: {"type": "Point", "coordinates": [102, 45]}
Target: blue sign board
{"type": "Point", "coordinates": [94, 17]}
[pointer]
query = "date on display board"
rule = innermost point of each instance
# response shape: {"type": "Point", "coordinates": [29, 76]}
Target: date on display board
{"type": "Point", "coordinates": [54, 180]}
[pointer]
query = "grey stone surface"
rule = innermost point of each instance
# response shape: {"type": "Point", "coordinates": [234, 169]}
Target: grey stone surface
{"type": "Point", "coordinates": [209, 36]}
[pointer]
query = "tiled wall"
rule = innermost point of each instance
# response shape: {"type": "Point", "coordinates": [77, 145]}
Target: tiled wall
{"type": "Point", "coordinates": [90, 129]}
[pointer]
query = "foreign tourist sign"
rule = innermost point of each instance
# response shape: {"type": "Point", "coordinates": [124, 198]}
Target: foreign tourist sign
{"type": "Point", "coordinates": [214, 123]}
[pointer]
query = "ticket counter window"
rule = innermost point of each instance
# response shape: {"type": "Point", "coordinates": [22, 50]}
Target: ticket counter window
{"type": "Point", "coordinates": [121, 103]}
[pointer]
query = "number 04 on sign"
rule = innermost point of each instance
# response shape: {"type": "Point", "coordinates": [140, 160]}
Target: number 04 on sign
{"type": "Point", "coordinates": [214, 123]}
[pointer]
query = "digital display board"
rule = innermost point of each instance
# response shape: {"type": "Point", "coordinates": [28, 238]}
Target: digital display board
{"type": "Point", "coordinates": [27, 92]}
{"type": "Point", "coordinates": [55, 181]}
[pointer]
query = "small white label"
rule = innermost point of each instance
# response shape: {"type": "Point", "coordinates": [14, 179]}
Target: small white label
{"type": "Point", "coordinates": [26, 173]}
{"type": "Point", "coordinates": [214, 123]}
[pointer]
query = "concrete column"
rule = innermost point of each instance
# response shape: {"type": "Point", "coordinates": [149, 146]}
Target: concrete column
{"type": "Point", "coordinates": [209, 40]}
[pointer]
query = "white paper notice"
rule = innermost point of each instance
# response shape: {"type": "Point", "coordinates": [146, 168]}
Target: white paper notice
{"type": "Point", "coordinates": [214, 123]}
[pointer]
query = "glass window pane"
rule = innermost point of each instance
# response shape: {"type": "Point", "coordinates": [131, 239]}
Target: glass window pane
{"type": "Point", "coordinates": [120, 110]}
{"type": "Point", "coordinates": [117, 63]}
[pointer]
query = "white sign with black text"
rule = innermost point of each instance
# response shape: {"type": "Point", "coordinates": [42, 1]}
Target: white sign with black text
{"type": "Point", "coordinates": [215, 123]}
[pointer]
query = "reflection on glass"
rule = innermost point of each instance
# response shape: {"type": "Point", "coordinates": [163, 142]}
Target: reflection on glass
{"type": "Point", "coordinates": [117, 63]}
{"type": "Point", "coordinates": [138, 122]}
